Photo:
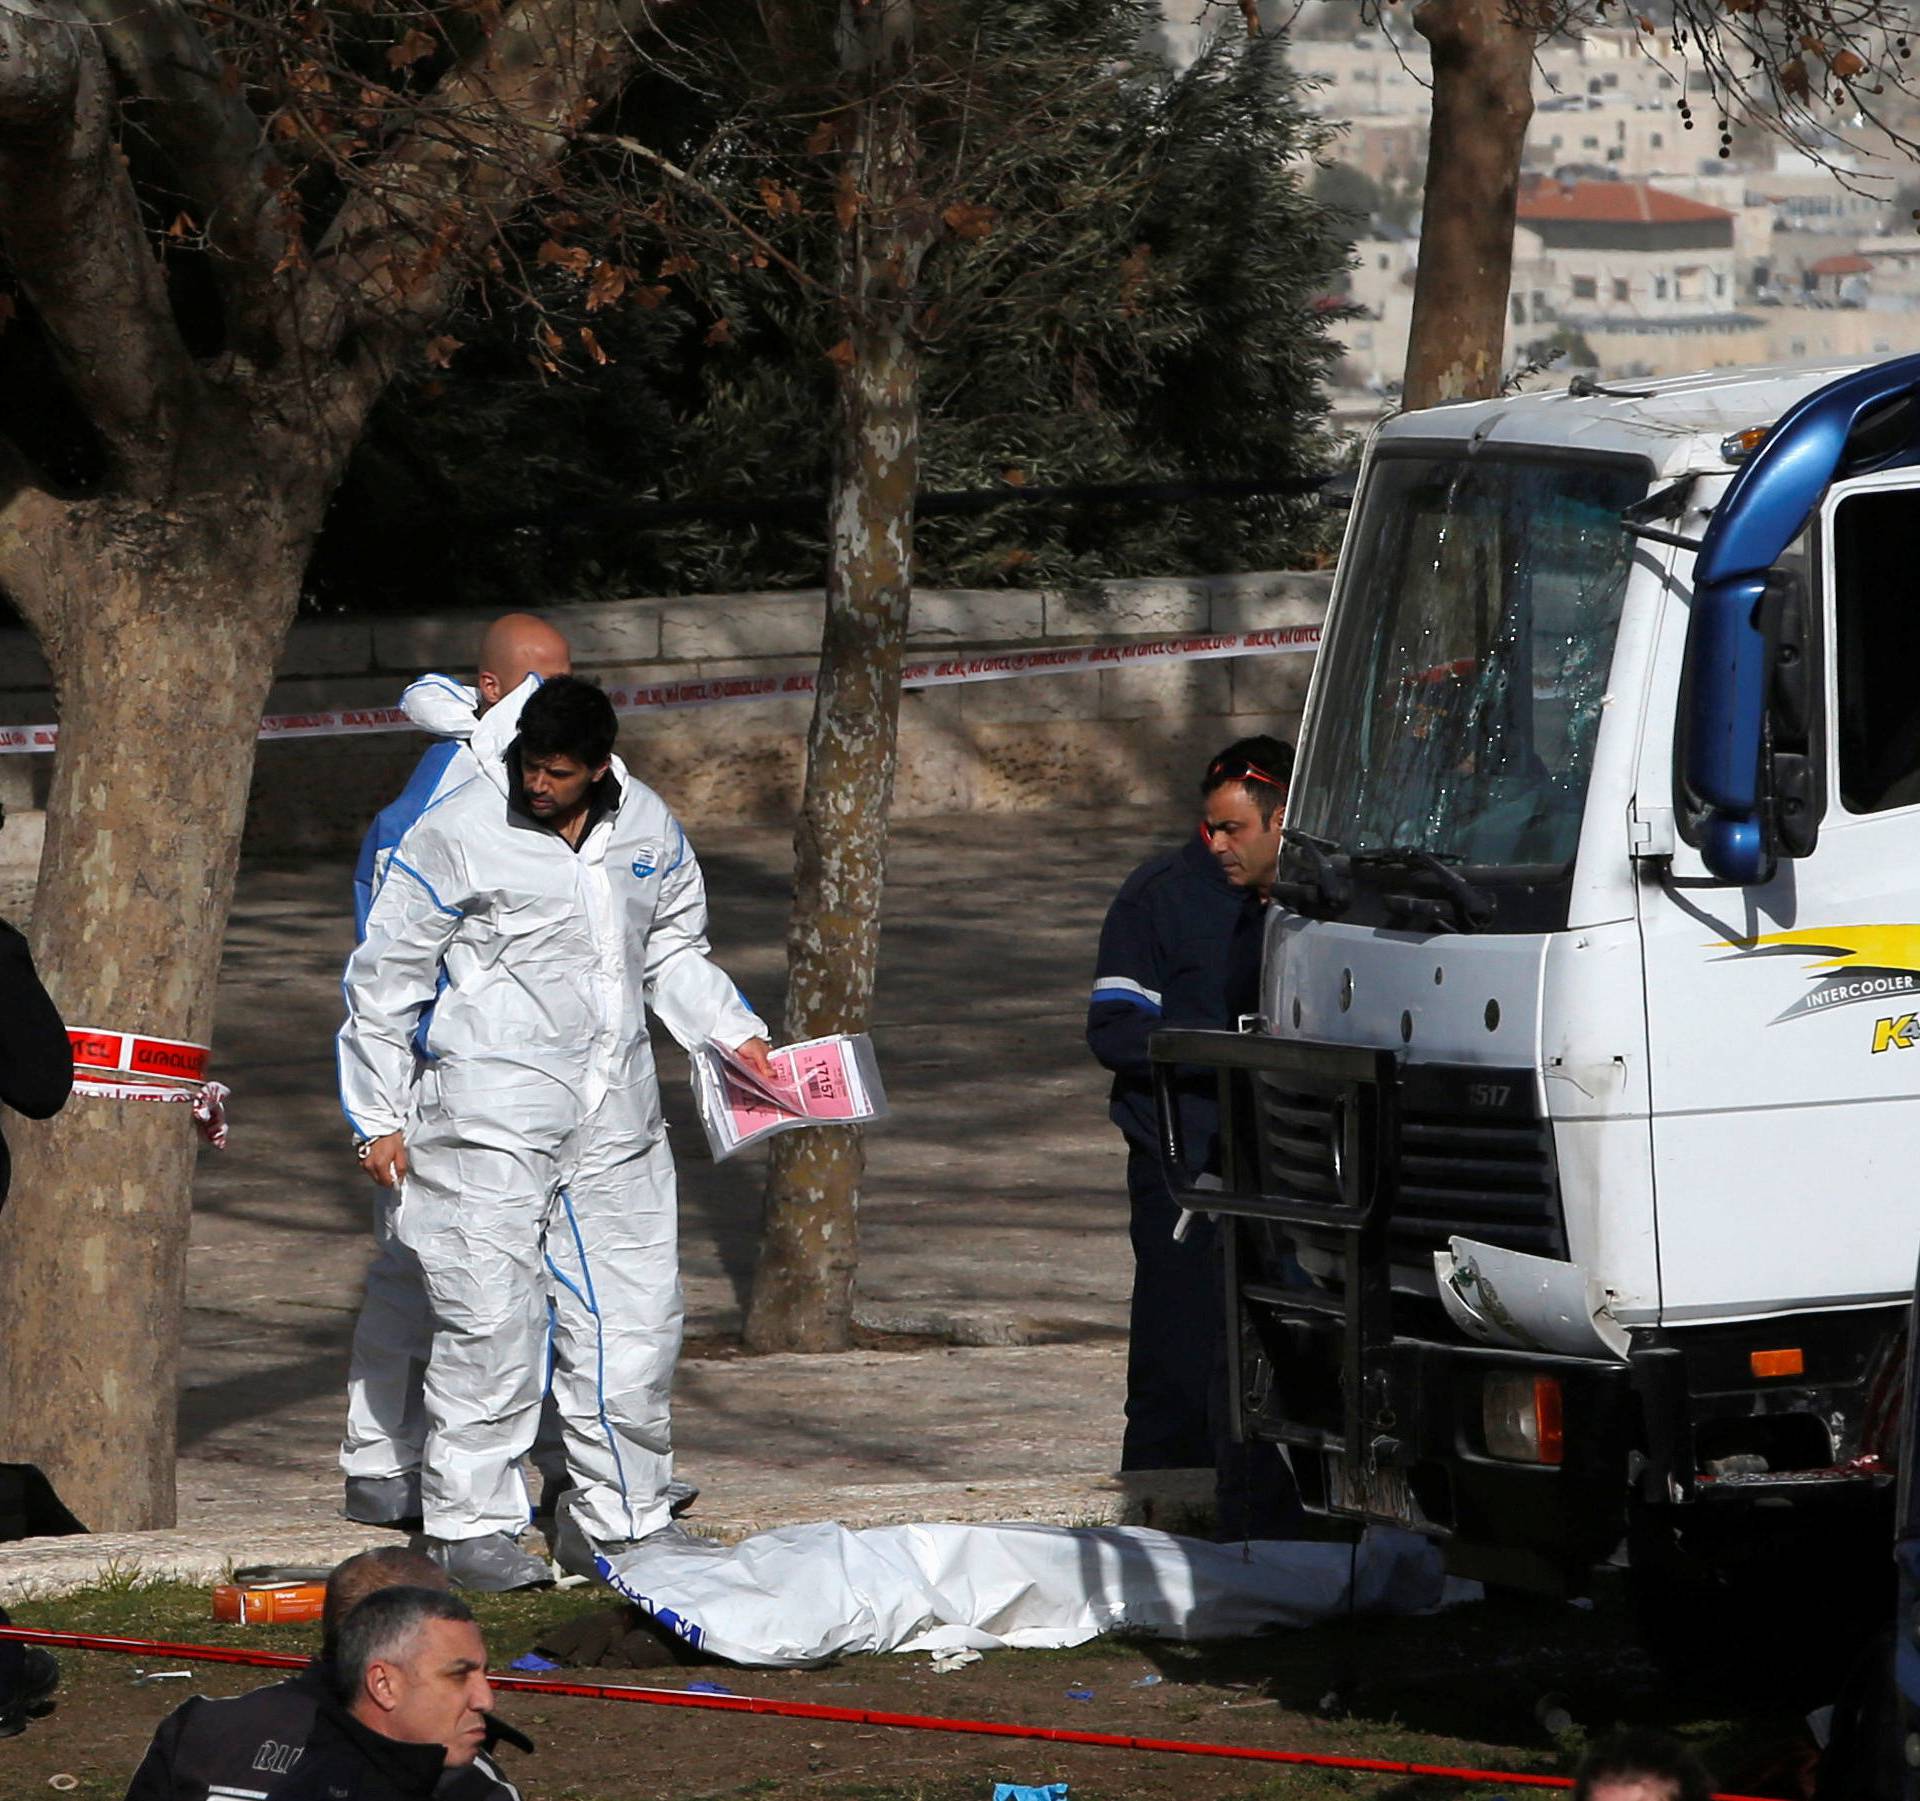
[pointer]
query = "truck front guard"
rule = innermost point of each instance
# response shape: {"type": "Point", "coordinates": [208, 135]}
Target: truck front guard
{"type": "Point", "coordinates": [1363, 1091]}
{"type": "Point", "coordinates": [1382, 1373]}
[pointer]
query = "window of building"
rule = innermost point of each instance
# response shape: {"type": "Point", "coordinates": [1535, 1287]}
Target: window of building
{"type": "Point", "coordinates": [1619, 288]}
{"type": "Point", "coordinates": [1585, 287]}
{"type": "Point", "coordinates": [1655, 139]}
{"type": "Point", "coordinates": [1519, 307]}
{"type": "Point", "coordinates": [1385, 261]}
{"type": "Point", "coordinates": [1719, 286]}
{"type": "Point", "coordinates": [1589, 143]}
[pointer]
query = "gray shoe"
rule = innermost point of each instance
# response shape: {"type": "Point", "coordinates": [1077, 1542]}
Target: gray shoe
{"type": "Point", "coordinates": [490, 1565]}
{"type": "Point", "coordinates": [575, 1552]}
{"type": "Point", "coordinates": [554, 1489]}
{"type": "Point", "coordinates": [384, 1500]}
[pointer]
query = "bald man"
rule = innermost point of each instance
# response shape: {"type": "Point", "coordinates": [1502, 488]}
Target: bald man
{"type": "Point", "coordinates": [386, 1417]}
{"type": "Point", "coordinates": [514, 647]}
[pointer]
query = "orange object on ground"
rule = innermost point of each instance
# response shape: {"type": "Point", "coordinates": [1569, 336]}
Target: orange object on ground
{"type": "Point", "coordinates": [278, 1603]}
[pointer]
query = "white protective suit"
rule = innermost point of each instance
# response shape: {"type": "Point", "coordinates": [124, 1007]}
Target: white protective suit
{"type": "Point", "coordinates": [534, 1136]}
{"type": "Point", "coordinates": [386, 1424]}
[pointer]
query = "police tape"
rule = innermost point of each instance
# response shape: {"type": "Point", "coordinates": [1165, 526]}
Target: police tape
{"type": "Point", "coordinates": [943, 672]}
{"type": "Point", "coordinates": [136, 1066]}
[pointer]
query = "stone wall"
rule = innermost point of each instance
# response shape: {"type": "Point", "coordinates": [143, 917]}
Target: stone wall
{"type": "Point", "coordinates": [1123, 733]}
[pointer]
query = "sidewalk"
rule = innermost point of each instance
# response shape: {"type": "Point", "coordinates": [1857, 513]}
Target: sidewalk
{"type": "Point", "coordinates": [993, 1231]}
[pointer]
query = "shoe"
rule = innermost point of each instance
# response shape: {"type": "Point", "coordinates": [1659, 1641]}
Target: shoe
{"type": "Point", "coordinates": [490, 1565]}
{"type": "Point", "coordinates": [384, 1501]}
{"type": "Point", "coordinates": [554, 1489]}
{"type": "Point", "coordinates": [29, 1687]}
{"type": "Point", "coordinates": [576, 1553]}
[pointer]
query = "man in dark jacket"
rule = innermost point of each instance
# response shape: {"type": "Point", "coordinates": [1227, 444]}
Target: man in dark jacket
{"type": "Point", "coordinates": [250, 1744]}
{"type": "Point", "coordinates": [1181, 948]}
{"type": "Point", "coordinates": [36, 1061]}
{"type": "Point", "coordinates": [409, 1706]}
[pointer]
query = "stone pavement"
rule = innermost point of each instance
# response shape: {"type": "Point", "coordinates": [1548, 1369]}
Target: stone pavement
{"type": "Point", "coordinates": [993, 1233]}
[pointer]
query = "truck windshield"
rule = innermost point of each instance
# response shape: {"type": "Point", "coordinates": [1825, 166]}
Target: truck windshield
{"type": "Point", "coordinates": [1468, 665]}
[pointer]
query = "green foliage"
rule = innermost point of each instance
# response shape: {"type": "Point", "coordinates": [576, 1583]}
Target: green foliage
{"type": "Point", "coordinates": [1128, 286]}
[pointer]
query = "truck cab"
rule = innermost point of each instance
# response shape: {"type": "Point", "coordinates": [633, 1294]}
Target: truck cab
{"type": "Point", "coordinates": [1566, 1162]}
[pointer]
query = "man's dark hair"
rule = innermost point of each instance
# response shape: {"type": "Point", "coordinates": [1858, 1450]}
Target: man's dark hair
{"type": "Point", "coordinates": [1640, 1754]}
{"type": "Point", "coordinates": [1263, 766]}
{"type": "Point", "coordinates": [367, 1573]}
{"type": "Point", "coordinates": [382, 1627]}
{"type": "Point", "coordinates": [568, 717]}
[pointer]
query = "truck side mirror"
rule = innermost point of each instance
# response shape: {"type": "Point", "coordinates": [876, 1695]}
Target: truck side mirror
{"type": "Point", "coordinates": [1792, 781]}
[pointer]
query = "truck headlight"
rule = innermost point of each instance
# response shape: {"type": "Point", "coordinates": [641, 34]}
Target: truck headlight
{"type": "Point", "coordinates": [1521, 1418]}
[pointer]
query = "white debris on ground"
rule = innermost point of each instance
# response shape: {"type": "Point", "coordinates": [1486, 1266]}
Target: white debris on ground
{"type": "Point", "coordinates": [801, 1594]}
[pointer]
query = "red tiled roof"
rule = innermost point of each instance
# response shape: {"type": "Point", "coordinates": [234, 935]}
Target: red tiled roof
{"type": "Point", "coordinates": [1841, 265]}
{"type": "Point", "coordinates": [1610, 203]}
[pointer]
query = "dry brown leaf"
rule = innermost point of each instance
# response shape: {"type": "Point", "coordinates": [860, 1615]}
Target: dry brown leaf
{"type": "Point", "coordinates": [647, 298]}
{"type": "Point", "coordinates": [182, 226]}
{"type": "Point", "coordinates": [1014, 478]}
{"type": "Point", "coordinates": [440, 351]}
{"type": "Point", "coordinates": [608, 284]}
{"type": "Point", "coordinates": [822, 138]}
{"type": "Point", "coordinates": [410, 49]}
{"type": "Point", "coordinates": [966, 220]}
{"type": "Point", "coordinates": [841, 355]}
{"type": "Point", "coordinates": [576, 259]}
{"type": "Point", "coordinates": [551, 338]}
{"type": "Point", "coordinates": [1848, 64]}
{"type": "Point", "coordinates": [1793, 77]}
{"type": "Point", "coordinates": [593, 347]}
{"type": "Point", "coordinates": [719, 332]}
{"type": "Point", "coordinates": [677, 264]}
{"type": "Point", "coordinates": [772, 196]}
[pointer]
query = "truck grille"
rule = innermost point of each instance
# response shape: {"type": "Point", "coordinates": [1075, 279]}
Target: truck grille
{"type": "Point", "coordinates": [1475, 1158]}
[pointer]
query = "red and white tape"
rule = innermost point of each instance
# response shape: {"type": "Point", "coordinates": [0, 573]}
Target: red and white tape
{"type": "Point", "coordinates": [136, 1066]}
{"type": "Point", "coordinates": [1286, 640]}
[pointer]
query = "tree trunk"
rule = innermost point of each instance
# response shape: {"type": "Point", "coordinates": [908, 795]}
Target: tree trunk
{"type": "Point", "coordinates": [163, 629]}
{"type": "Point", "coordinates": [803, 1288]}
{"type": "Point", "coordinates": [1482, 101]}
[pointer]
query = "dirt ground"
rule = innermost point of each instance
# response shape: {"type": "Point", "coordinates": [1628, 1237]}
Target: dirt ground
{"type": "Point", "coordinates": [1467, 1688]}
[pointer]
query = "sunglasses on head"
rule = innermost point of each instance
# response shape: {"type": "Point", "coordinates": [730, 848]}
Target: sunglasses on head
{"type": "Point", "coordinates": [1243, 772]}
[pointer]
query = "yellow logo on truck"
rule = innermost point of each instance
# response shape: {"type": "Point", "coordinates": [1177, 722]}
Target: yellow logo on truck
{"type": "Point", "coordinates": [1896, 1034]}
{"type": "Point", "coordinates": [1851, 965]}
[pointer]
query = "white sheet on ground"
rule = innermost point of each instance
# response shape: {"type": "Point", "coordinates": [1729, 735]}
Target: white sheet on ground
{"type": "Point", "coordinates": [802, 1594]}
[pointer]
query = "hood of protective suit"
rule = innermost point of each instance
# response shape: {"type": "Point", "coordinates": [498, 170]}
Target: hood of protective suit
{"type": "Point", "coordinates": [442, 706]}
{"type": "Point", "coordinates": [498, 727]}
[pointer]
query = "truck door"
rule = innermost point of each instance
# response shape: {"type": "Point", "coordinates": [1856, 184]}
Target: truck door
{"type": "Point", "coordinates": [1784, 1017]}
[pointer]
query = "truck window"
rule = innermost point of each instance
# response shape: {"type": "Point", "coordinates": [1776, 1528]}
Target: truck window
{"type": "Point", "coordinates": [1876, 604]}
{"type": "Point", "coordinates": [1467, 668]}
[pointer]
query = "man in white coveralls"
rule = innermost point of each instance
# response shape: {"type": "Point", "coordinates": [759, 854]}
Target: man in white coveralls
{"type": "Point", "coordinates": [380, 1454]}
{"type": "Point", "coordinates": [536, 910]}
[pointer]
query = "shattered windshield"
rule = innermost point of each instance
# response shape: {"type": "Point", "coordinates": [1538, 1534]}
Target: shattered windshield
{"type": "Point", "coordinates": [1468, 667]}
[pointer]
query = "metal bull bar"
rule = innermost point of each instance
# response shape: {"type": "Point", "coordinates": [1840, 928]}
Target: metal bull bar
{"type": "Point", "coordinates": [1360, 1092]}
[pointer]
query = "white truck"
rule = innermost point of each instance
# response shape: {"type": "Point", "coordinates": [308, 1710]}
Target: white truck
{"type": "Point", "coordinates": [1567, 1160]}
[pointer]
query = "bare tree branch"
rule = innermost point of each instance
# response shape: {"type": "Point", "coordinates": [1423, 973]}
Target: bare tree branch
{"type": "Point", "coordinates": [72, 231]}
{"type": "Point", "coordinates": [214, 146]}
{"type": "Point", "coordinates": [394, 255]}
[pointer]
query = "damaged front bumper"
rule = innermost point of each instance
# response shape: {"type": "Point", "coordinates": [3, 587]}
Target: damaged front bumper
{"type": "Point", "coordinates": [1384, 1386]}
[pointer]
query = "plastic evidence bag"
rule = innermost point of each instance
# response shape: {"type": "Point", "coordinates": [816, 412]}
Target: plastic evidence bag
{"type": "Point", "coordinates": [833, 1081]}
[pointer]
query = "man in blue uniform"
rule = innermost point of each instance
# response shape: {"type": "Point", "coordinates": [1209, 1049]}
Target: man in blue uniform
{"type": "Point", "coordinates": [1181, 948]}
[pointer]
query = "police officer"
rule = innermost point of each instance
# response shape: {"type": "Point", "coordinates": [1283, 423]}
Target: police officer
{"type": "Point", "coordinates": [1181, 948]}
